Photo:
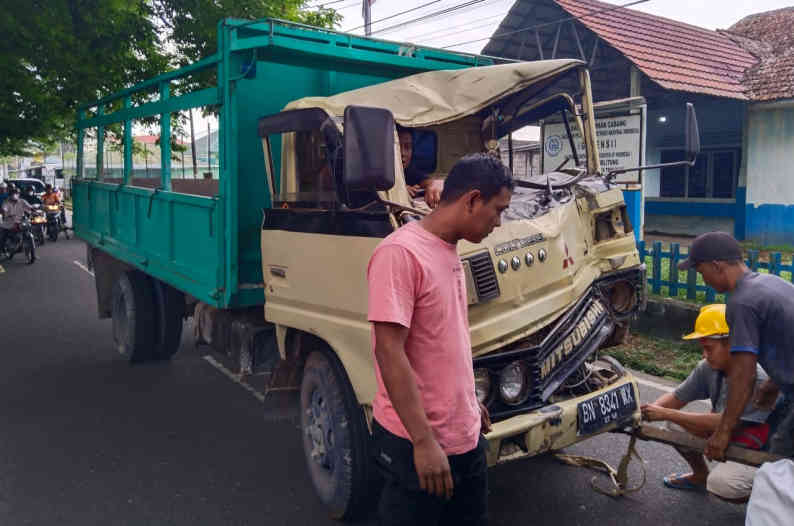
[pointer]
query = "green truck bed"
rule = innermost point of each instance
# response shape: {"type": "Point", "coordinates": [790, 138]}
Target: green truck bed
{"type": "Point", "coordinates": [202, 237]}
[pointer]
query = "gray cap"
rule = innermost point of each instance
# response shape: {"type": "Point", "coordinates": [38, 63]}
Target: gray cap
{"type": "Point", "coordinates": [712, 246]}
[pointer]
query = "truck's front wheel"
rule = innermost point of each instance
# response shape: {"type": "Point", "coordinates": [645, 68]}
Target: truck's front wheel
{"type": "Point", "coordinates": [133, 316]}
{"type": "Point", "coordinates": [336, 440]}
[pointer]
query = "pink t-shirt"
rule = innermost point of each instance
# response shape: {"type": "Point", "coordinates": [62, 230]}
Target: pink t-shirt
{"type": "Point", "coordinates": [416, 280]}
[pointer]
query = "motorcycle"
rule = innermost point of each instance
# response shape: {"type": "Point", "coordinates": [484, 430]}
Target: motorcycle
{"type": "Point", "coordinates": [20, 239]}
{"type": "Point", "coordinates": [55, 222]}
{"type": "Point", "coordinates": [38, 222]}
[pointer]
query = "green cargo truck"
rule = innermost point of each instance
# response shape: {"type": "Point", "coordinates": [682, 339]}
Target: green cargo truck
{"type": "Point", "coordinates": [269, 260]}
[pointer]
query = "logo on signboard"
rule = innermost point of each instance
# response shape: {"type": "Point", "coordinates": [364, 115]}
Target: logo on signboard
{"type": "Point", "coordinates": [553, 145]}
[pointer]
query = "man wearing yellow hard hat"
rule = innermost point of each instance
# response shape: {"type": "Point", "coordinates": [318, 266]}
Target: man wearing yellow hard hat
{"type": "Point", "coordinates": [728, 480]}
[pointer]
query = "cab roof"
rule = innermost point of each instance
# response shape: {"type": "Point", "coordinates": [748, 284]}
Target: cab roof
{"type": "Point", "coordinates": [436, 97]}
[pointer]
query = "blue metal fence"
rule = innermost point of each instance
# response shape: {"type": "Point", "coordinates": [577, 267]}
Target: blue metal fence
{"type": "Point", "coordinates": [663, 271]}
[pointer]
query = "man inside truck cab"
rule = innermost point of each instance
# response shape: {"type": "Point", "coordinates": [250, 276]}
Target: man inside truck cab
{"type": "Point", "coordinates": [428, 424]}
{"type": "Point", "coordinates": [414, 178]}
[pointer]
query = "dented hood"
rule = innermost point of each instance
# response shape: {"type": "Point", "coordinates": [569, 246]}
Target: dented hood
{"type": "Point", "coordinates": [435, 97]}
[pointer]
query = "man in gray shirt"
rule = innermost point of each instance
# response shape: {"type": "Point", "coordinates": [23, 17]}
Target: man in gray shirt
{"type": "Point", "coordinates": [728, 480]}
{"type": "Point", "coordinates": [760, 313]}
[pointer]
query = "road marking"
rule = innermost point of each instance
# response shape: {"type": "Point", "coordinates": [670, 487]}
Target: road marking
{"type": "Point", "coordinates": [83, 267]}
{"type": "Point", "coordinates": [233, 377]}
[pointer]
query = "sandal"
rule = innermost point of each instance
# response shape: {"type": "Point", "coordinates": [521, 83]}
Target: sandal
{"type": "Point", "coordinates": [681, 481]}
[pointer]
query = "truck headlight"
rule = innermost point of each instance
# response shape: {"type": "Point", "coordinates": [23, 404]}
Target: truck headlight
{"type": "Point", "coordinates": [482, 384]}
{"type": "Point", "coordinates": [514, 383]}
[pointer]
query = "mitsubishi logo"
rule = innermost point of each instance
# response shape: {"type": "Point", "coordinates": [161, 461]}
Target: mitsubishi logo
{"type": "Point", "coordinates": [568, 261]}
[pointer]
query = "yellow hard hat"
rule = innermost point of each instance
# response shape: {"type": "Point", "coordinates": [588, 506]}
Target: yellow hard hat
{"type": "Point", "coordinates": [710, 323]}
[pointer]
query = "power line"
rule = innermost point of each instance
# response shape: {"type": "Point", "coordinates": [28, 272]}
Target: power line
{"type": "Point", "coordinates": [430, 15]}
{"type": "Point", "coordinates": [538, 26]}
{"type": "Point", "coordinates": [395, 15]}
{"type": "Point", "coordinates": [453, 30]}
{"type": "Point", "coordinates": [323, 4]}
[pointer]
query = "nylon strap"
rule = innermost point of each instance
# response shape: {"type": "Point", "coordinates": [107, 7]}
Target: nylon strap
{"type": "Point", "coordinates": [618, 477]}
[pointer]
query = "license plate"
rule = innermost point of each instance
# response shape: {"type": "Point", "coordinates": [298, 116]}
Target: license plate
{"type": "Point", "coordinates": [600, 411]}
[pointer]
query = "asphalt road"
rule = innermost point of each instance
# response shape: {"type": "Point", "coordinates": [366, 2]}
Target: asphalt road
{"type": "Point", "coordinates": [87, 439]}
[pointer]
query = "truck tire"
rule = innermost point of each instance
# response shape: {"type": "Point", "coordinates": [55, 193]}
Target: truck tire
{"type": "Point", "coordinates": [134, 316]}
{"type": "Point", "coordinates": [170, 305]}
{"type": "Point", "coordinates": [336, 440]}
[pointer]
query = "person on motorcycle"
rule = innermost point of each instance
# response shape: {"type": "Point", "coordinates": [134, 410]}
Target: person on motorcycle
{"type": "Point", "coordinates": [51, 197]}
{"type": "Point", "coordinates": [13, 210]}
{"type": "Point", "coordinates": [29, 195]}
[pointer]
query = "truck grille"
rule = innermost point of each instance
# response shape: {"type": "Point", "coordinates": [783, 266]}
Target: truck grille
{"type": "Point", "coordinates": [484, 276]}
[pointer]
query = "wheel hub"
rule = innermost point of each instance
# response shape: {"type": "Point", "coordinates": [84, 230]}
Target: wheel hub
{"type": "Point", "coordinates": [319, 429]}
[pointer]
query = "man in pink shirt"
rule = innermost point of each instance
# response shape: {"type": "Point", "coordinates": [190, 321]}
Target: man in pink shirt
{"type": "Point", "coordinates": [428, 422]}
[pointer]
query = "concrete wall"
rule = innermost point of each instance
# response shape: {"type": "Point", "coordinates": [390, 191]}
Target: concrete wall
{"type": "Point", "coordinates": [769, 152]}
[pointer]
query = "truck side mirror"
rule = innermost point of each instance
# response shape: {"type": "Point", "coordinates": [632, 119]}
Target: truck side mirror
{"type": "Point", "coordinates": [369, 149]}
{"type": "Point", "coordinates": [691, 134]}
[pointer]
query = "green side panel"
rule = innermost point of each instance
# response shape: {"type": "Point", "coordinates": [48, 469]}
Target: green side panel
{"type": "Point", "coordinates": [172, 237]}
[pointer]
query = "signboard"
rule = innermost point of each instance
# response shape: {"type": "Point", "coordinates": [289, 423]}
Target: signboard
{"type": "Point", "coordinates": [619, 139]}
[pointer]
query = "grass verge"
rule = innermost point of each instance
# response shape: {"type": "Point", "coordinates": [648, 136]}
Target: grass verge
{"type": "Point", "coordinates": [656, 356]}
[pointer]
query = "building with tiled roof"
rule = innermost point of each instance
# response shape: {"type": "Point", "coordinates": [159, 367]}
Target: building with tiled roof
{"type": "Point", "coordinates": [740, 79]}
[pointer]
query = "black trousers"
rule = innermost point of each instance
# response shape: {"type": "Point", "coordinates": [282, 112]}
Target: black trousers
{"type": "Point", "coordinates": [403, 502]}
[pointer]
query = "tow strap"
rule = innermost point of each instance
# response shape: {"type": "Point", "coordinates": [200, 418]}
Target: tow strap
{"type": "Point", "coordinates": [618, 477]}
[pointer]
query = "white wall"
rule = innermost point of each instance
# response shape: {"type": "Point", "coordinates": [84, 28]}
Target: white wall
{"type": "Point", "coordinates": [770, 155]}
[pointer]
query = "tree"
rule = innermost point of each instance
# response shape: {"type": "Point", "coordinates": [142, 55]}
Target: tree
{"type": "Point", "coordinates": [56, 54]}
{"type": "Point", "coordinates": [192, 24]}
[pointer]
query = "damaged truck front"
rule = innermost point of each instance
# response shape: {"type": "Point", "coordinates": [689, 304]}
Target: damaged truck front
{"type": "Point", "coordinates": [559, 280]}
{"type": "Point", "coordinates": [311, 181]}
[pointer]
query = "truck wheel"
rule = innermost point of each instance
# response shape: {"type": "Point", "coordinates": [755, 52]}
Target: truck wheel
{"type": "Point", "coordinates": [134, 316]}
{"type": "Point", "coordinates": [170, 304]}
{"type": "Point", "coordinates": [336, 440]}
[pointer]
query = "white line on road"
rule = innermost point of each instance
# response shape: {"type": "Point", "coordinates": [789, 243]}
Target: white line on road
{"type": "Point", "coordinates": [83, 267]}
{"type": "Point", "coordinates": [234, 378]}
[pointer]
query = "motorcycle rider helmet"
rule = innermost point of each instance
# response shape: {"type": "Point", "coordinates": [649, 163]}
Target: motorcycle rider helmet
{"type": "Point", "coordinates": [48, 188]}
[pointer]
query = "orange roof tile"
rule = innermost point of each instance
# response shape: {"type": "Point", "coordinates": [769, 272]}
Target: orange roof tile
{"type": "Point", "coordinates": [675, 55]}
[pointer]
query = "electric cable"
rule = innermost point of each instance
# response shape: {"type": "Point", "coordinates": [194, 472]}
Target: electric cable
{"type": "Point", "coordinates": [430, 15]}
{"type": "Point", "coordinates": [394, 15]}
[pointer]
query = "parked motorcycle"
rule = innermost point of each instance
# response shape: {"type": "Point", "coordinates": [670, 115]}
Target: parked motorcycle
{"type": "Point", "coordinates": [55, 222]}
{"type": "Point", "coordinates": [20, 239]}
{"type": "Point", "coordinates": [38, 222]}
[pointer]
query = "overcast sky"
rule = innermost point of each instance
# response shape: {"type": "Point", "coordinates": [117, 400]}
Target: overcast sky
{"type": "Point", "coordinates": [480, 19]}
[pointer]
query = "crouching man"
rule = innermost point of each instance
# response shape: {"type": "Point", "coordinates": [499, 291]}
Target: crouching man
{"type": "Point", "coordinates": [728, 480]}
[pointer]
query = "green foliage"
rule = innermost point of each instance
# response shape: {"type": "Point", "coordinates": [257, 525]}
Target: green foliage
{"type": "Point", "coordinates": [192, 24]}
{"type": "Point", "coordinates": [56, 54]}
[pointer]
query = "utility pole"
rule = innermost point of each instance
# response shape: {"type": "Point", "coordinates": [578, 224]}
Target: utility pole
{"type": "Point", "coordinates": [209, 148]}
{"type": "Point", "coordinates": [366, 12]}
